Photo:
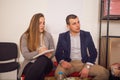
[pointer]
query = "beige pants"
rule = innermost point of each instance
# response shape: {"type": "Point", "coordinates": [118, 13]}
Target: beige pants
{"type": "Point", "coordinates": [98, 71]}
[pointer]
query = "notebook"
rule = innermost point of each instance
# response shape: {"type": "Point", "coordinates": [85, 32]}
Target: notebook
{"type": "Point", "coordinates": [47, 51]}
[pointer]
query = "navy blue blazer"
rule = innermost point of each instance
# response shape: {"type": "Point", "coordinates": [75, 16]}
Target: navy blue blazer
{"type": "Point", "coordinates": [64, 46]}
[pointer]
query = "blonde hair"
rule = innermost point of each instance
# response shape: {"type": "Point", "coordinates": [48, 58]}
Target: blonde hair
{"type": "Point", "coordinates": [32, 33]}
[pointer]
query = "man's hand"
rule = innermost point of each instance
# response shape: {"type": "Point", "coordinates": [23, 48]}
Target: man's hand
{"type": "Point", "coordinates": [66, 65]}
{"type": "Point", "coordinates": [84, 73]}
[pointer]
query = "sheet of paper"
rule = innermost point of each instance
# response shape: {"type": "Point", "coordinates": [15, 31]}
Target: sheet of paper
{"type": "Point", "coordinates": [47, 51]}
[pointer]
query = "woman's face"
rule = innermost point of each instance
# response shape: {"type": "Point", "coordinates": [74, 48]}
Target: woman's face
{"type": "Point", "coordinates": [41, 24]}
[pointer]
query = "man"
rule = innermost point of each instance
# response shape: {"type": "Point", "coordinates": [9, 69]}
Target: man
{"type": "Point", "coordinates": [76, 52]}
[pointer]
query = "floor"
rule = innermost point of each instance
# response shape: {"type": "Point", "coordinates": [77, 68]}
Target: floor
{"type": "Point", "coordinates": [72, 78]}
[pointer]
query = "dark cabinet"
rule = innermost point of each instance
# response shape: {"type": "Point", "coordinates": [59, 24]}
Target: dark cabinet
{"type": "Point", "coordinates": [113, 51]}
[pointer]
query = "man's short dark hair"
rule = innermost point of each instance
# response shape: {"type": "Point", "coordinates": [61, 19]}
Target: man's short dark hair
{"type": "Point", "coordinates": [71, 16]}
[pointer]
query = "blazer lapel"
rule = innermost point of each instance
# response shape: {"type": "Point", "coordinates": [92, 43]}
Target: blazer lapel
{"type": "Point", "coordinates": [82, 43]}
{"type": "Point", "coordinates": [68, 42]}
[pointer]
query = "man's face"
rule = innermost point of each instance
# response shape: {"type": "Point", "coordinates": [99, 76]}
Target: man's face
{"type": "Point", "coordinates": [74, 25]}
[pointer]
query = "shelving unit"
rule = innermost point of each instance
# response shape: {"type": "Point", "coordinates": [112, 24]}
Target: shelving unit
{"type": "Point", "coordinates": [105, 42]}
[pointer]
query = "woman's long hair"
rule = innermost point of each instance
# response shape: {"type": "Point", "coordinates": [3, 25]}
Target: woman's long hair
{"type": "Point", "coordinates": [32, 33]}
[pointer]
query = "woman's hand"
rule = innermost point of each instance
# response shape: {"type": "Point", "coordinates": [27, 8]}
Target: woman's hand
{"type": "Point", "coordinates": [49, 55]}
{"type": "Point", "coordinates": [42, 49]}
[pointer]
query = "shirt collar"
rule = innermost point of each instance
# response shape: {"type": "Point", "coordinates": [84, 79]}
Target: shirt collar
{"type": "Point", "coordinates": [75, 35]}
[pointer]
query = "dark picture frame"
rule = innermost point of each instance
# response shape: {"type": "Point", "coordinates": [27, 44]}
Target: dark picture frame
{"type": "Point", "coordinates": [114, 9]}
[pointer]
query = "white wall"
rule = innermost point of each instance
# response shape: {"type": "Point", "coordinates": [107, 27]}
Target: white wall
{"type": "Point", "coordinates": [15, 16]}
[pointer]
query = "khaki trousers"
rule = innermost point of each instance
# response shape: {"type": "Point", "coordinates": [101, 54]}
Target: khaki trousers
{"type": "Point", "coordinates": [99, 72]}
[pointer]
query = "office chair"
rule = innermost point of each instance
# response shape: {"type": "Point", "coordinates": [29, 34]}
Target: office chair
{"type": "Point", "coordinates": [8, 57]}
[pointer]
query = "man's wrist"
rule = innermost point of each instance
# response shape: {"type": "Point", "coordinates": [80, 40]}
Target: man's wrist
{"type": "Point", "coordinates": [89, 63]}
{"type": "Point", "coordinates": [88, 66]}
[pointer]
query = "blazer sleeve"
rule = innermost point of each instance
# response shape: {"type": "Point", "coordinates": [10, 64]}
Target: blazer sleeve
{"type": "Point", "coordinates": [92, 50]}
{"type": "Point", "coordinates": [59, 50]}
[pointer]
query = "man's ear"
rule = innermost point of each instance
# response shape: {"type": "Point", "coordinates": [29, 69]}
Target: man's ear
{"type": "Point", "coordinates": [67, 26]}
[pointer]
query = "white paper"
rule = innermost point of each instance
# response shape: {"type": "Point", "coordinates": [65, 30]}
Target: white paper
{"type": "Point", "coordinates": [47, 51]}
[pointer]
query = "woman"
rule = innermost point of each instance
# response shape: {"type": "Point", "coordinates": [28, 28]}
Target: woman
{"type": "Point", "coordinates": [34, 41]}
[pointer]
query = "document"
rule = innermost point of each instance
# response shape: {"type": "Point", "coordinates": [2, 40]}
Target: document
{"type": "Point", "coordinates": [47, 51]}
